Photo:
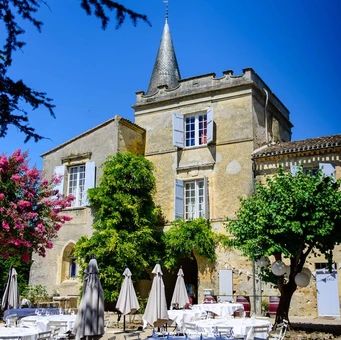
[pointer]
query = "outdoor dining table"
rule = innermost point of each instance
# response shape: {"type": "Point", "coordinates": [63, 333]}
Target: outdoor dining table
{"type": "Point", "coordinates": [241, 326]}
{"type": "Point", "coordinates": [179, 316]}
{"type": "Point", "coordinates": [221, 309]}
{"type": "Point", "coordinates": [23, 333]}
{"type": "Point", "coordinates": [44, 322]}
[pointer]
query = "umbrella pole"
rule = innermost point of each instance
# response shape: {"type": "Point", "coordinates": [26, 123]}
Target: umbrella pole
{"type": "Point", "coordinates": [124, 323]}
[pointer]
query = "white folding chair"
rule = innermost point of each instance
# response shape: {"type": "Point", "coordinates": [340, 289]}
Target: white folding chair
{"type": "Point", "coordinates": [44, 335]}
{"type": "Point", "coordinates": [192, 331]}
{"type": "Point", "coordinates": [260, 332]}
{"type": "Point", "coordinates": [224, 332]}
{"type": "Point", "coordinates": [279, 333]}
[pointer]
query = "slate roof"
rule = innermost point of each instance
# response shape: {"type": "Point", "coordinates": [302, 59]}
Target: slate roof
{"type": "Point", "coordinates": [166, 69]}
{"type": "Point", "coordinates": [308, 144]}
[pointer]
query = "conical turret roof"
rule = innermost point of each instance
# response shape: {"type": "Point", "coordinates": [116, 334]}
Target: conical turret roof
{"type": "Point", "coordinates": [166, 69]}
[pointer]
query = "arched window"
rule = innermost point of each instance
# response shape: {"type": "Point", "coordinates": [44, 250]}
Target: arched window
{"type": "Point", "coordinates": [69, 265]}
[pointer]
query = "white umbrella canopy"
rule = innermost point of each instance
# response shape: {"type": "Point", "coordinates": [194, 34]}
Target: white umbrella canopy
{"type": "Point", "coordinates": [180, 296]}
{"type": "Point", "coordinates": [10, 299]}
{"type": "Point", "coordinates": [156, 310]}
{"type": "Point", "coordinates": [127, 300]}
{"type": "Point", "coordinates": [90, 317]}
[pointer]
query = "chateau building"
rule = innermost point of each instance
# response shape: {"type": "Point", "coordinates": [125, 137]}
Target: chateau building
{"type": "Point", "coordinates": [210, 138]}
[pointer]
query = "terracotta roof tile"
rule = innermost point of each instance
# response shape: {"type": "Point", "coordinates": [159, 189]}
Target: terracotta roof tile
{"type": "Point", "coordinates": [298, 146]}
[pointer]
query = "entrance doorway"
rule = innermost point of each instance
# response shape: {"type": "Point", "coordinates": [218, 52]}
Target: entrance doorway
{"type": "Point", "coordinates": [190, 268]}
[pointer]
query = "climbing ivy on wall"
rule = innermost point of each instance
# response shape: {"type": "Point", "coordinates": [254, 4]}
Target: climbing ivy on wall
{"type": "Point", "coordinates": [186, 238]}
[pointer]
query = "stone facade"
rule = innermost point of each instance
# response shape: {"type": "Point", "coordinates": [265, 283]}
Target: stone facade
{"type": "Point", "coordinates": [239, 127]}
{"type": "Point", "coordinates": [91, 147]}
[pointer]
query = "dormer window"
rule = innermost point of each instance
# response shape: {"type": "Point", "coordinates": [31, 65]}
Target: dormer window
{"type": "Point", "coordinates": [193, 130]}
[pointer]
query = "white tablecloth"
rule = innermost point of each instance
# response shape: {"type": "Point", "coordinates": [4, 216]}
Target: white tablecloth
{"type": "Point", "coordinates": [24, 333]}
{"type": "Point", "coordinates": [44, 322]}
{"type": "Point", "coordinates": [241, 326]}
{"type": "Point", "coordinates": [221, 309]}
{"type": "Point", "coordinates": [184, 315]}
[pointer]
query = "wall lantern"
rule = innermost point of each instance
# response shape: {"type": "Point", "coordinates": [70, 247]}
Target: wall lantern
{"type": "Point", "coordinates": [279, 268]}
{"type": "Point", "coordinates": [302, 279]}
{"type": "Point", "coordinates": [306, 271]}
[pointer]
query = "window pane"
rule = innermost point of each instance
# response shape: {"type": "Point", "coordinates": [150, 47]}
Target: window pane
{"type": "Point", "coordinates": [202, 129]}
{"type": "Point", "coordinates": [76, 184]}
{"type": "Point", "coordinates": [194, 199]}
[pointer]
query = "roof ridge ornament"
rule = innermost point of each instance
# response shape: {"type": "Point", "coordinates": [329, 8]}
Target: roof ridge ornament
{"type": "Point", "coordinates": [166, 69]}
{"type": "Point", "coordinates": [166, 8]}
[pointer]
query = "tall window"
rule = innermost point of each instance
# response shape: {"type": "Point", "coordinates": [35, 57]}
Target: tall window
{"type": "Point", "coordinates": [196, 130]}
{"type": "Point", "coordinates": [76, 184]}
{"type": "Point", "coordinates": [194, 199]}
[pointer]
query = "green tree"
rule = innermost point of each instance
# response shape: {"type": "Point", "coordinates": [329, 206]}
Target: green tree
{"type": "Point", "coordinates": [289, 217]}
{"type": "Point", "coordinates": [16, 97]}
{"type": "Point", "coordinates": [127, 224]}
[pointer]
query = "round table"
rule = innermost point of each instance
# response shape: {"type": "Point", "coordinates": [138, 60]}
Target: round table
{"type": "Point", "coordinates": [221, 309]}
{"type": "Point", "coordinates": [23, 333]}
{"type": "Point", "coordinates": [44, 322]}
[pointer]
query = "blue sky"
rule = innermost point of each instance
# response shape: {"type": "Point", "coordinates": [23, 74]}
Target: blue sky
{"type": "Point", "coordinates": [93, 75]}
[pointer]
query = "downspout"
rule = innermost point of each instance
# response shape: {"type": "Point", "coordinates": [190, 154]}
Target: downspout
{"type": "Point", "coordinates": [254, 291]}
{"type": "Point", "coordinates": [266, 115]}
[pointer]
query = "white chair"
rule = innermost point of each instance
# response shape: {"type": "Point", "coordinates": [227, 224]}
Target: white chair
{"type": "Point", "coordinates": [62, 325]}
{"type": "Point", "coordinates": [224, 332]}
{"type": "Point", "coordinates": [260, 332]}
{"type": "Point", "coordinates": [279, 333]}
{"type": "Point", "coordinates": [28, 323]}
{"type": "Point", "coordinates": [44, 335]}
{"type": "Point", "coordinates": [192, 331]}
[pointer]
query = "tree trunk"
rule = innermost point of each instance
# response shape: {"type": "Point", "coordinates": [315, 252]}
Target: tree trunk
{"type": "Point", "coordinates": [287, 292]}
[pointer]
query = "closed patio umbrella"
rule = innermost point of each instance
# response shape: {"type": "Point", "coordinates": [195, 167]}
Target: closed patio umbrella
{"type": "Point", "coordinates": [90, 317]}
{"type": "Point", "coordinates": [180, 296]}
{"type": "Point", "coordinates": [10, 299]}
{"type": "Point", "coordinates": [156, 310]}
{"type": "Point", "coordinates": [127, 300]}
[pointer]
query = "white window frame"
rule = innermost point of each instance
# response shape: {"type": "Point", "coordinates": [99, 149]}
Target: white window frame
{"type": "Point", "coordinates": [80, 196]}
{"type": "Point", "coordinates": [197, 141]}
{"type": "Point", "coordinates": [195, 213]}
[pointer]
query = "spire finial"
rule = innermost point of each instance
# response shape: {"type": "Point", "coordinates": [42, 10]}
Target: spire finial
{"type": "Point", "coordinates": [166, 8]}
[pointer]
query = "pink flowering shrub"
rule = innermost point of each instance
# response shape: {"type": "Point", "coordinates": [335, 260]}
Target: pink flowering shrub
{"type": "Point", "coordinates": [30, 208]}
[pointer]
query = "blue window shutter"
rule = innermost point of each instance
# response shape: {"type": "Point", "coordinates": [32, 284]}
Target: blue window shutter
{"type": "Point", "coordinates": [327, 169]}
{"type": "Point", "coordinates": [179, 199]}
{"type": "Point", "coordinates": [59, 171]}
{"type": "Point", "coordinates": [294, 169]}
{"type": "Point", "coordinates": [90, 171]}
{"type": "Point", "coordinates": [178, 130]}
{"type": "Point", "coordinates": [209, 126]}
{"type": "Point", "coordinates": [207, 207]}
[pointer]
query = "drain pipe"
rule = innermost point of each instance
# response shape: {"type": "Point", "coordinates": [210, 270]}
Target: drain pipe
{"type": "Point", "coordinates": [266, 115]}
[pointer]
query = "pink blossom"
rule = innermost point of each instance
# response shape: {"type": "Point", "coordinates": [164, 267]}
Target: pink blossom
{"type": "Point", "coordinates": [2, 196]}
{"type": "Point", "coordinates": [15, 178]}
{"type": "Point", "coordinates": [49, 244]}
{"type": "Point", "coordinates": [24, 204]}
{"type": "Point", "coordinates": [5, 225]}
